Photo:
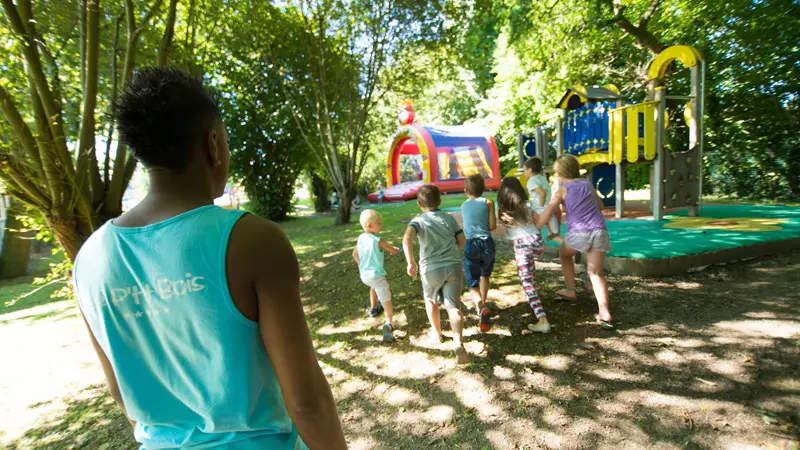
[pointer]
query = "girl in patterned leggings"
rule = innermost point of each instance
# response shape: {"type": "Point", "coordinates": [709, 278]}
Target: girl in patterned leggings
{"type": "Point", "coordinates": [523, 230]}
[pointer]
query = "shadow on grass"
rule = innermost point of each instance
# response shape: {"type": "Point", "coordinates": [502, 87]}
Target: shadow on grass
{"type": "Point", "coordinates": [91, 419]}
{"type": "Point", "coordinates": [696, 361]}
{"type": "Point", "coordinates": [701, 361]}
{"type": "Point", "coordinates": [19, 294]}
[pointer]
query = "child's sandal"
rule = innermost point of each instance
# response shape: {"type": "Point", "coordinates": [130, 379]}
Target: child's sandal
{"type": "Point", "coordinates": [604, 324]}
{"type": "Point", "coordinates": [562, 296]}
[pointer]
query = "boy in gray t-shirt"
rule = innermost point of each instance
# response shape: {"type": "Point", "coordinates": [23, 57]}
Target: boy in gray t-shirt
{"type": "Point", "coordinates": [440, 263]}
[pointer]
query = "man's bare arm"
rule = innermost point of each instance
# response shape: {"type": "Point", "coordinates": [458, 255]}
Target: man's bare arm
{"type": "Point", "coordinates": [111, 378]}
{"type": "Point", "coordinates": [276, 282]}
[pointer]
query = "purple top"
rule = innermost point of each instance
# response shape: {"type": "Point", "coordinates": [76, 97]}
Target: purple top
{"type": "Point", "coordinates": [583, 214]}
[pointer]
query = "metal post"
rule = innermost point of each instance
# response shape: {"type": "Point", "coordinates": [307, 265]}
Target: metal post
{"type": "Point", "coordinates": [657, 184]}
{"type": "Point", "coordinates": [619, 183]}
{"type": "Point", "coordinates": [696, 129]}
{"type": "Point", "coordinates": [620, 190]}
{"type": "Point", "coordinates": [545, 154]}
{"type": "Point", "coordinates": [559, 135]}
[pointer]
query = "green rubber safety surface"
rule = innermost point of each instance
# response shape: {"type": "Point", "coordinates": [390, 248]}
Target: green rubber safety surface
{"type": "Point", "coordinates": [718, 227]}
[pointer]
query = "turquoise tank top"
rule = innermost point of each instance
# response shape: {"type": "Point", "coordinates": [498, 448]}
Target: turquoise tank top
{"type": "Point", "coordinates": [371, 257]}
{"type": "Point", "coordinates": [192, 370]}
{"type": "Point", "coordinates": [475, 215]}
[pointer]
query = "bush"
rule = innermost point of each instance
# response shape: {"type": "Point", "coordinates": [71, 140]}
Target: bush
{"type": "Point", "coordinates": [637, 176]}
{"type": "Point", "coordinates": [268, 173]}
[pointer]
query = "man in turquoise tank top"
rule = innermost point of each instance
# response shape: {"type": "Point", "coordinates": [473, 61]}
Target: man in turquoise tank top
{"type": "Point", "coordinates": [195, 311]}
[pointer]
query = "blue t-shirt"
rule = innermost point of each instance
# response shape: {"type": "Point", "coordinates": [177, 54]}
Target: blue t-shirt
{"type": "Point", "coordinates": [192, 370]}
{"type": "Point", "coordinates": [371, 257]}
{"type": "Point", "coordinates": [475, 214]}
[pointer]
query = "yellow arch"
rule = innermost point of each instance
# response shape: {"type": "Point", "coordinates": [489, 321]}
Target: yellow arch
{"type": "Point", "coordinates": [592, 159]}
{"type": "Point", "coordinates": [576, 89]}
{"type": "Point", "coordinates": [686, 54]}
{"type": "Point", "coordinates": [613, 88]}
{"type": "Point", "coordinates": [403, 133]}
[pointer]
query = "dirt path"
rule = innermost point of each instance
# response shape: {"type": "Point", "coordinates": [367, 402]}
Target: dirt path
{"type": "Point", "coordinates": [705, 360]}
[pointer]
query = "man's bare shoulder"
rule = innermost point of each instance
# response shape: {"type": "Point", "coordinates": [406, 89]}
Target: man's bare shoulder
{"type": "Point", "coordinates": [255, 240]}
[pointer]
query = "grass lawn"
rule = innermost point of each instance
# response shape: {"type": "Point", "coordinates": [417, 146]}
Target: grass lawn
{"type": "Point", "coordinates": [703, 360]}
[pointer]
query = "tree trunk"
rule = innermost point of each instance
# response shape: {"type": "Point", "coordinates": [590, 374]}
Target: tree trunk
{"type": "Point", "coordinates": [16, 244]}
{"type": "Point", "coordinates": [319, 191]}
{"type": "Point", "coordinates": [343, 213]}
{"type": "Point", "coordinates": [66, 233]}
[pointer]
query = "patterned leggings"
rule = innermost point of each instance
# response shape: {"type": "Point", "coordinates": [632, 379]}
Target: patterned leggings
{"type": "Point", "coordinates": [525, 251]}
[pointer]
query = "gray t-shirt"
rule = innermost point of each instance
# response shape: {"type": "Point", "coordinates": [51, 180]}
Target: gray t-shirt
{"type": "Point", "coordinates": [437, 231]}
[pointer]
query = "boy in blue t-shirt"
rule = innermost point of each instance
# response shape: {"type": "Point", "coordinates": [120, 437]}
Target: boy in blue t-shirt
{"type": "Point", "coordinates": [479, 221]}
{"type": "Point", "coordinates": [369, 257]}
{"type": "Point", "coordinates": [440, 264]}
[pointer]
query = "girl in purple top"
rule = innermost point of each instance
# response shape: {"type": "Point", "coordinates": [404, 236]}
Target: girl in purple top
{"type": "Point", "coordinates": [586, 233]}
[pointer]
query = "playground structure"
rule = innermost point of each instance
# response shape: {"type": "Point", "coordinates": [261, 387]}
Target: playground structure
{"type": "Point", "coordinates": [441, 155]}
{"type": "Point", "coordinates": [605, 135]}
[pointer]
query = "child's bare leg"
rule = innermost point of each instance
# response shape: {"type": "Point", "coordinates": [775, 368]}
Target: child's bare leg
{"type": "Point", "coordinates": [456, 323]}
{"type": "Point", "coordinates": [373, 299]}
{"type": "Point", "coordinates": [387, 310]}
{"type": "Point", "coordinates": [568, 269]}
{"type": "Point", "coordinates": [594, 265]}
{"type": "Point", "coordinates": [485, 283]}
{"type": "Point", "coordinates": [434, 316]}
{"type": "Point", "coordinates": [477, 297]}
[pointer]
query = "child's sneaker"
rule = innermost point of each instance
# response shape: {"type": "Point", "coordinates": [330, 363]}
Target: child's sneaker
{"type": "Point", "coordinates": [375, 312]}
{"type": "Point", "coordinates": [486, 319]}
{"type": "Point", "coordinates": [462, 357]}
{"type": "Point", "coordinates": [387, 330]}
{"type": "Point", "coordinates": [539, 327]}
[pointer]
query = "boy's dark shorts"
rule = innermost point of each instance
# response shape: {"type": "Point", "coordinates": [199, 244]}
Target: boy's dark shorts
{"type": "Point", "coordinates": [478, 260]}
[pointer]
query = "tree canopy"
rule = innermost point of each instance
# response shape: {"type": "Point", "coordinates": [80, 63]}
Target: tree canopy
{"type": "Point", "coordinates": [317, 83]}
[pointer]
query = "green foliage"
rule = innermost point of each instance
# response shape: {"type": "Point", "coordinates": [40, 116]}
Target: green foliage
{"type": "Point", "coordinates": [752, 75]}
{"type": "Point", "coordinates": [637, 176]}
{"type": "Point", "coordinates": [61, 269]}
{"type": "Point", "coordinates": [267, 150]}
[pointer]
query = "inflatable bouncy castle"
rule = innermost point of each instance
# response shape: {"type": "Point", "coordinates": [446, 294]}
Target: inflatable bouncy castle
{"type": "Point", "coordinates": [440, 155]}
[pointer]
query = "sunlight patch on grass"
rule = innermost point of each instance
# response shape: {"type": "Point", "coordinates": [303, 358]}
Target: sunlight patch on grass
{"type": "Point", "coordinates": [399, 396]}
{"type": "Point", "coordinates": [522, 359]}
{"type": "Point", "coordinates": [336, 253]}
{"type": "Point", "coordinates": [785, 384]}
{"type": "Point", "coordinates": [410, 365]}
{"type": "Point", "coordinates": [556, 362]}
{"type": "Point", "coordinates": [472, 392]}
{"type": "Point", "coordinates": [619, 375]}
{"type": "Point", "coordinates": [439, 413]}
{"type": "Point", "coordinates": [353, 326]}
{"type": "Point", "coordinates": [771, 328]}
{"type": "Point", "coordinates": [503, 373]}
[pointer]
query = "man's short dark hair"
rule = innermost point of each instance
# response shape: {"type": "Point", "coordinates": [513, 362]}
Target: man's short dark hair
{"type": "Point", "coordinates": [474, 185]}
{"type": "Point", "coordinates": [163, 113]}
{"type": "Point", "coordinates": [535, 164]}
{"type": "Point", "coordinates": [429, 196]}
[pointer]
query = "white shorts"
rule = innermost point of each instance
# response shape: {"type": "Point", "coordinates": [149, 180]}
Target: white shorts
{"type": "Point", "coordinates": [381, 287]}
{"type": "Point", "coordinates": [552, 222]}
